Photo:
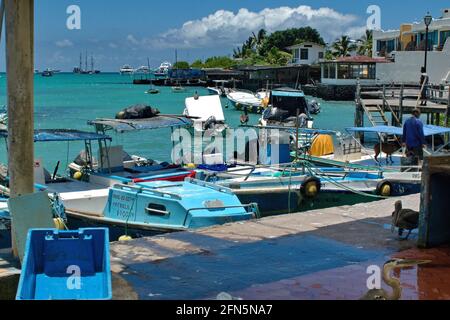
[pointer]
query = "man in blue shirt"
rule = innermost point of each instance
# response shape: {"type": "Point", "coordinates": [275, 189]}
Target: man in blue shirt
{"type": "Point", "coordinates": [413, 135]}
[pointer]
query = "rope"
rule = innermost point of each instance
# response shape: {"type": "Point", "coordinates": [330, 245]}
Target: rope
{"type": "Point", "coordinates": [340, 185]}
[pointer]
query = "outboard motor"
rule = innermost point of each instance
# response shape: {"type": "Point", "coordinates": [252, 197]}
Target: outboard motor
{"type": "Point", "coordinates": [210, 123]}
{"type": "Point", "coordinates": [314, 107]}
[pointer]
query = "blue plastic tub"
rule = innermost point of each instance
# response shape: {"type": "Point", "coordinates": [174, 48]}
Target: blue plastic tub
{"type": "Point", "coordinates": [66, 265]}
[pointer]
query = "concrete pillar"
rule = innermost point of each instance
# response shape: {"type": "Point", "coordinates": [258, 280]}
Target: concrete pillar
{"type": "Point", "coordinates": [20, 74]}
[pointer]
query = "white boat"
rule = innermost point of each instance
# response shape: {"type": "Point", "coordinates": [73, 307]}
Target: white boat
{"type": "Point", "coordinates": [219, 88]}
{"type": "Point", "coordinates": [142, 70]}
{"type": "Point", "coordinates": [245, 100]}
{"type": "Point", "coordinates": [206, 112]}
{"type": "Point", "coordinates": [126, 70]}
{"type": "Point", "coordinates": [163, 69]}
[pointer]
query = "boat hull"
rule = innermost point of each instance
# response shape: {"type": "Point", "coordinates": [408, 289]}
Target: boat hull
{"type": "Point", "coordinates": [250, 108]}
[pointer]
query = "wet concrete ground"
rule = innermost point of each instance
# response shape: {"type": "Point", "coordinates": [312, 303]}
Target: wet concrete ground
{"type": "Point", "coordinates": [318, 255]}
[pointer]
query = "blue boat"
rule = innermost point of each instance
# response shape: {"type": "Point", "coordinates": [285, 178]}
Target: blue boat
{"type": "Point", "coordinates": [66, 265]}
{"type": "Point", "coordinates": [5, 224]}
{"type": "Point", "coordinates": [151, 208]}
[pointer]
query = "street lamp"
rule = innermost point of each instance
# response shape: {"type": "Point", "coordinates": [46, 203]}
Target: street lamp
{"type": "Point", "coordinates": [428, 19]}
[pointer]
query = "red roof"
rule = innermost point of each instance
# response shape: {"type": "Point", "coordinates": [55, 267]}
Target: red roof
{"type": "Point", "coordinates": [361, 59]}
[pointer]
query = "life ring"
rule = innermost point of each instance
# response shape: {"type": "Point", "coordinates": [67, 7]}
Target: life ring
{"type": "Point", "coordinates": [311, 187]}
{"type": "Point", "coordinates": [384, 189]}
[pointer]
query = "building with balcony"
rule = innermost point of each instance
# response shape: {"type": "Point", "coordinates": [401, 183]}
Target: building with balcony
{"type": "Point", "coordinates": [307, 53]}
{"type": "Point", "coordinates": [405, 48]}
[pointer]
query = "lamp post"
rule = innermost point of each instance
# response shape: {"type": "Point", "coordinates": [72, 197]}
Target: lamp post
{"type": "Point", "coordinates": [428, 19]}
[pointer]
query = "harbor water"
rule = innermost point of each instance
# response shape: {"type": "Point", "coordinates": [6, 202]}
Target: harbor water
{"type": "Point", "coordinates": [69, 100]}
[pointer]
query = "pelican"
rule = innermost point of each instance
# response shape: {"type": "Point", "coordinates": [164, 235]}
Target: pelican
{"type": "Point", "coordinates": [381, 294]}
{"type": "Point", "coordinates": [404, 219]}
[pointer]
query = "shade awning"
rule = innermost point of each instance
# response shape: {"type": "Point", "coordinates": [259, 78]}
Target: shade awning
{"type": "Point", "coordinates": [158, 122]}
{"type": "Point", "coordinates": [429, 130]}
{"type": "Point", "coordinates": [61, 135]}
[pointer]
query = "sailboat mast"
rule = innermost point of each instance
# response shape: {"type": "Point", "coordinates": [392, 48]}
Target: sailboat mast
{"type": "Point", "coordinates": [92, 63]}
{"type": "Point", "coordinates": [86, 61]}
{"type": "Point", "coordinates": [81, 61]}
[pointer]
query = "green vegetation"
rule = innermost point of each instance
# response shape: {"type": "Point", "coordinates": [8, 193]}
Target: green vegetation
{"type": "Point", "coordinates": [365, 44]}
{"type": "Point", "coordinates": [344, 46]}
{"type": "Point", "coordinates": [215, 62]}
{"type": "Point", "coordinates": [181, 65]}
{"type": "Point", "coordinates": [266, 49]}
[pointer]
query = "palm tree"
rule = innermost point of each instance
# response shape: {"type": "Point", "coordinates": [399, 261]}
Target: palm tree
{"type": "Point", "coordinates": [343, 46]}
{"type": "Point", "coordinates": [365, 44]}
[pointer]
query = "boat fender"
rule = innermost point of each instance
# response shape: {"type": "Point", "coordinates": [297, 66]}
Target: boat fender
{"type": "Point", "coordinates": [125, 238]}
{"type": "Point", "coordinates": [59, 224]}
{"type": "Point", "coordinates": [384, 189]}
{"type": "Point", "coordinates": [310, 187]}
{"type": "Point", "coordinates": [78, 175]}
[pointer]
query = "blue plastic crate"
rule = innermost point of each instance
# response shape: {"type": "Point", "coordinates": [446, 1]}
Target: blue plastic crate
{"type": "Point", "coordinates": [66, 265]}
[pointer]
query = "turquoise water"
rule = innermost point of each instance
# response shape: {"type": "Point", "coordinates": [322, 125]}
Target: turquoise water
{"type": "Point", "coordinates": [69, 101]}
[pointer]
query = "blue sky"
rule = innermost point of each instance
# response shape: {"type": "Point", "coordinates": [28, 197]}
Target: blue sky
{"type": "Point", "coordinates": [120, 32]}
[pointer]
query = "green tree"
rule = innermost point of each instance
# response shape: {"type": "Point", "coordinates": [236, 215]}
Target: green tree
{"type": "Point", "coordinates": [343, 47]}
{"type": "Point", "coordinates": [283, 39]}
{"type": "Point", "coordinates": [219, 62]}
{"type": "Point", "coordinates": [197, 64]}
{"type": "Point", "coordinates": [365, 44]}
{"type": "Point", "coordinates": [278, 57]}
{"type": "Point", "coordinates": [181, 65]}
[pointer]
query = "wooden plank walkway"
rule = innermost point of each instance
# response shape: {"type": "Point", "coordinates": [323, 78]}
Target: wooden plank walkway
{"type": "Point", "coordinates": [408, 105]}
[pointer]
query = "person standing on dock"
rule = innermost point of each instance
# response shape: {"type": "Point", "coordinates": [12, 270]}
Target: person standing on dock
{"type": "Point", "coordinates": [414, 137]}
{"type": "Point", "coordinates": [423, 87]}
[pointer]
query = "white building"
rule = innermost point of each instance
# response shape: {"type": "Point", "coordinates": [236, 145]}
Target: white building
{"type": "Point", "coordinates": [307, 53]}
{"type": "Point", "coordinates": [347, 70]}
{"type": "Point", "coordinates": [406, 50]}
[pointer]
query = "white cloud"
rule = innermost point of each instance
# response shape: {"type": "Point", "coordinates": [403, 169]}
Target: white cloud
{"type": "Point", "coordinates": [131, 39]}
{"type": "Point", "coordinates": [113, 45]}
{"type": "Point", "coordinates": [228, 28]}
{"type": "Point", "coordinates": [64, 43]}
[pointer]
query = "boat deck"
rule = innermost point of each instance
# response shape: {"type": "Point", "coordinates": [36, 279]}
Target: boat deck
{"type": "Point", "coordinates": [320, 254]}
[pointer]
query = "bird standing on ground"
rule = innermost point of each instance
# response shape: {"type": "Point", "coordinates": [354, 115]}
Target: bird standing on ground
{"type": "Point", "coordinates": [404, 219]}
{"type": "Point", "coordinates": [381, 294]}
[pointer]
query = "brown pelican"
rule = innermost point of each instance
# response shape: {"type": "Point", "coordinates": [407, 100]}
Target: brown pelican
{"type": "Point", "coordinates": [381, 294]}
{"type": "Point", "coordinates": [404, 219]}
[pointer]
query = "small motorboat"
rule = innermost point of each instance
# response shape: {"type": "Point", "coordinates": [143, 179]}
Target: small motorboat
{"type": "Point", "coordinates": [178, 89]}
{"type": "Point", "coordinates": [151, 208]}
{"type": "Point", "coordinates": [152, 91]}
{"type": "Point", "coordinates": [245, 100]}
{"type": "Point", "coordinates": [48, 73]}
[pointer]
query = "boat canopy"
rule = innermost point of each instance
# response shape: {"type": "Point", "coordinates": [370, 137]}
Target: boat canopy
{"type": "Point", "coordinates": [288, 92]}
{"type": "Point", "coordinates": [55, 135]}
{"type": "Point", "coordinates": [429, 130]}
{"type": "Point", "coordinates": [293, 130]}
{"type": "Point", "coordinates": [159, 122]}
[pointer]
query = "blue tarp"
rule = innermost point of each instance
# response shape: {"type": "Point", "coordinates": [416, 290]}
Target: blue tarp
{"type": "Point", "coordinates": [158, 122]}
{"type": "Point", "coordinates": [54, 135]}
{"type": "Point", "coordinates": [429, 130]}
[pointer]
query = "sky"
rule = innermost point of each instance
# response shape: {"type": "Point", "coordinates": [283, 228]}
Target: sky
{"type": "Point", "coordinates": [129, 32]}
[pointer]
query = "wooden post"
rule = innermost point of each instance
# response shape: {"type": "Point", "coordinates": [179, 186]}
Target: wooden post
{"type": "Point", "coordinates": [447, 113]}
{"type": "Point", "coordinates": [400, 106]}
{"type": "Point", "coordinates": [20, 73]}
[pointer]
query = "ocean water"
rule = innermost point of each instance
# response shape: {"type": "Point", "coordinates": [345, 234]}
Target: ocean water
{"type": "Point", "coordinates": [69, 101]}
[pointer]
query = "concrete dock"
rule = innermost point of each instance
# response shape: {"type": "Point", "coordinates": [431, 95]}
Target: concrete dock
{"type": "Point", "coordinates": [320, 254]}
